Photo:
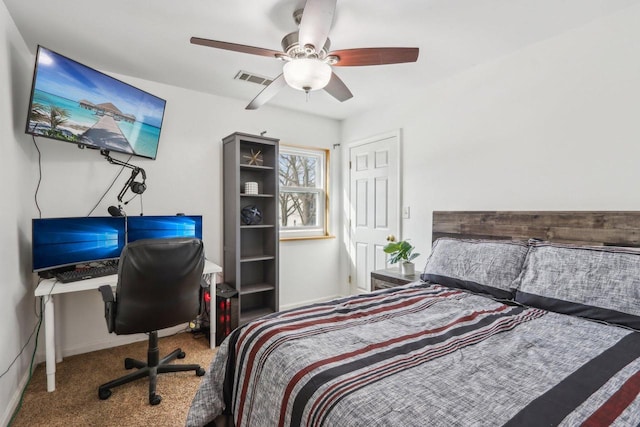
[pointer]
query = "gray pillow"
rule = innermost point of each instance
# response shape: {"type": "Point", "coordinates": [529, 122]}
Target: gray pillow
{"type": "Point", "coordinates": [601, 283]}
{"type": "Point", "coordinates": [482, 266]}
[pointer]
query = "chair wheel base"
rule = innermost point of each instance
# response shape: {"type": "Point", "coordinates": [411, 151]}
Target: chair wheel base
{"type": "Point", "coordinates": [155, 399]}
{"type": "Point", "coordinates": [128, 363]}
{"type": "Point", "coordinates": [182, 355]}
{"type": "Point", "coordinates": [104, 394]}
{"type": "Point", "coordinates": [200, 372]}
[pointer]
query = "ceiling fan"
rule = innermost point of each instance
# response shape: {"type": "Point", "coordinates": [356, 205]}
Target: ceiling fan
{"type": "Point", "coordinates": [307, 57]}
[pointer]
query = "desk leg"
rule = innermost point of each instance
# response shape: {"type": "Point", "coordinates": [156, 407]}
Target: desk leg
{"type": "Point", "coordinates": [50, 342]}
{"type": "Point", "coordinates": [57, 333]}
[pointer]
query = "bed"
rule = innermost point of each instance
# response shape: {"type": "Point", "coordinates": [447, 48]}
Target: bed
{"type": "Point", "coordinates": [507, 327]}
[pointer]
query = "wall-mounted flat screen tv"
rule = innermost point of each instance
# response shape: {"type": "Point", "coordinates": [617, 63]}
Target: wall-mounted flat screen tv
{"type": "Point", "coordinates": [75, 103]}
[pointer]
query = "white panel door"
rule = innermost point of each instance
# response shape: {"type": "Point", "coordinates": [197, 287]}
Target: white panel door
{"type": "Point", "coordinates": [374, 200]}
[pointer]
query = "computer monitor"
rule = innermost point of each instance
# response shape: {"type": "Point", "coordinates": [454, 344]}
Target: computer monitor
{"type": "Point", "coordinates": [156, 227]}
{"type": "Point", "coordinates": [60, 242]}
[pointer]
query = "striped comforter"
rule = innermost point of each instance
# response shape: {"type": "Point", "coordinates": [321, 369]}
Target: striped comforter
{"type": "Point", "coordinates": [422, 355]}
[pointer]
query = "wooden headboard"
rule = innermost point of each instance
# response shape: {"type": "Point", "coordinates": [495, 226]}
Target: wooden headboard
{"type": "Point", "coordinates": [601, 228]}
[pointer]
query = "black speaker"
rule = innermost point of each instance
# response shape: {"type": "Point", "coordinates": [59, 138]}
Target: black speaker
{"type": "Point", "coordinates": [226, 311]}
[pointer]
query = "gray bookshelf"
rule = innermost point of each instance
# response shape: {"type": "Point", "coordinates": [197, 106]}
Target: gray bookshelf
{"type": "Point", "coordinates": [251, 250]}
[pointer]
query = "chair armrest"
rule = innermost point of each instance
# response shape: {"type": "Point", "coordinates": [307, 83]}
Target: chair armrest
{"type": "Point", "coordinates": [109, 306]}
{"type": "Point", "coordinates": [107, 293]}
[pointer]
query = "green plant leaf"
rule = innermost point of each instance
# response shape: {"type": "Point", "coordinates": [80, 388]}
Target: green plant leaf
{"type": "Point", "coordinates": [400, 251]}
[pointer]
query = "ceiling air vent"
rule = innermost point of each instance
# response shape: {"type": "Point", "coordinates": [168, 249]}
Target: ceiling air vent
{"type": "Point", "coordinates": [253, 78]}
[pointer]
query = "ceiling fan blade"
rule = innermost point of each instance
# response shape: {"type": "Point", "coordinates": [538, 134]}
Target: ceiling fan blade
{"type": "Point", "coordinates": [235, 47]}
{"type": "Point", "coordinates": [375, 56]}
{"type": "Point", "coordinates": [338, 89]}
{"type": "Point", "coordinates": [316, 23]}
{"type": "Point", "coordinates": [267, 93]}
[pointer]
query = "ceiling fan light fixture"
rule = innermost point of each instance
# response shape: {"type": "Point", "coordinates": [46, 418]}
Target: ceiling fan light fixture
{"type": "Point", "coordinates": [307, 74]}
{"type": "Point", "coordinates": [308, 59]}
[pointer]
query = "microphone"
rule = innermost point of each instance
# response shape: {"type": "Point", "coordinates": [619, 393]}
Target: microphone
{"type": "Point", "coordinates": [115, 211]}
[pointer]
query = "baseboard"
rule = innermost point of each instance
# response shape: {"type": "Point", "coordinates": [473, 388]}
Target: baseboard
{"type": "Point", "coordinates": [15, 399]}
{"type": "Point", "coordinates": [308, 302]}
{"type": "Point", "coordinates": [113, 341]}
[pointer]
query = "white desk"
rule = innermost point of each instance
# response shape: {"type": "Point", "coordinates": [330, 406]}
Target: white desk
{"type": "Point", "coordinates": [48, 288]}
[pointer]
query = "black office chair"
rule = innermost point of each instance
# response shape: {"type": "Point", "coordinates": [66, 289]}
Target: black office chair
{"type": "Point", "coordinates": [158, 287]}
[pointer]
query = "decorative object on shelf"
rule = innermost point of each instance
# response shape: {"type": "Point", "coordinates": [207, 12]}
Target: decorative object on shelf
{"type": "Point", "coordinates": [401, 252]}
{"type": "Point", "coordinates": [255, 158]}
{"type": "Point", "coordinates": [250, 188]}
{"type": "Point", "coordinates": [251, 215]}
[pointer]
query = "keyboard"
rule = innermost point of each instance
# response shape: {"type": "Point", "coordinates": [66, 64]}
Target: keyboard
{"type": "Point", "coordinates": [87, 273]}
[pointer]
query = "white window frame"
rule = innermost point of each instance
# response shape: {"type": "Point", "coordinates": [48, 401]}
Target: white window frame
{"type": "Point", "coordinates": [321, 189]}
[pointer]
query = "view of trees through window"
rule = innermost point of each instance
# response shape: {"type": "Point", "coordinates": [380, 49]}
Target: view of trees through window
{"type": "Point", "coordinates": [302, 173]}
{"type": "Point", "coordinates": [298, 206]}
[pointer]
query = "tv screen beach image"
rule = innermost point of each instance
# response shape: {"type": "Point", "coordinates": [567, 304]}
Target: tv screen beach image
{"type": "Point", "coordinates": [75, 103]}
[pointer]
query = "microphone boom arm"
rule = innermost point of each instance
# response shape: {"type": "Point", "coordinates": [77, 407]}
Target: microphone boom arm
{"type": "Point", "coordinates": [135, 170]}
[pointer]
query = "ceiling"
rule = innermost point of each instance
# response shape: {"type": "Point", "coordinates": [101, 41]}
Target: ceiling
{"type": "Point", "coordinates": [149, 39]}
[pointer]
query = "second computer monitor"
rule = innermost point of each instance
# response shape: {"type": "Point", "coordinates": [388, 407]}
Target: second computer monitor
{"type": "Point", "coordinates": [156, 227]}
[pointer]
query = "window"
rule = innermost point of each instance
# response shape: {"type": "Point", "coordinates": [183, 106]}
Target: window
{"type": "Point", "coordinates": [303, 195]}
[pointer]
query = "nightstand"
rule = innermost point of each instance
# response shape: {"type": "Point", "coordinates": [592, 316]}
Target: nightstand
{"type": "Point", "coordinates": [389, 278]}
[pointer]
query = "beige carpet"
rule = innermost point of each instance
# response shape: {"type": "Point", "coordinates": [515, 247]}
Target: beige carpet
{"type": "Point", "coordinates": [75, 401]}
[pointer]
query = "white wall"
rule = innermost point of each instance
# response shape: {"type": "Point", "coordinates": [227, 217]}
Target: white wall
{"type": "Point", "coordinates": [17, 318]}
{"type": "Point", "coordinates": [554, 126]}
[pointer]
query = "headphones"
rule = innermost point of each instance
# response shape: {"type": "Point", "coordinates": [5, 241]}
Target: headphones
{"type": "Point", "coordinates": [139, 187]}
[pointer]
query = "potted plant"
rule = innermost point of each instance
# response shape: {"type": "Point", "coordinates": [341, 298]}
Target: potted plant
{"type": "Point", "coordinates": [401, 252]}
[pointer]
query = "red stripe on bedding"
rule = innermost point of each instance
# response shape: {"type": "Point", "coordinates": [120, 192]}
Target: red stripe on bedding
{"type": "Point", "coordinates": [343, 387]}
{"type": "Point", "coordinates": [334, 326]}
{"type": "Point", "coordinates": [617, 403]}
{"type": "Point", "coordinates": [297, 377]}
{"type": "Point", "coordinates": [428, 301]}
{"type": "Point", "coordinates": [330, 307]}
{"type": "Point", "coordinates": [334, 321]}
{"type": "Point", "coordinates": [314, 322]}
